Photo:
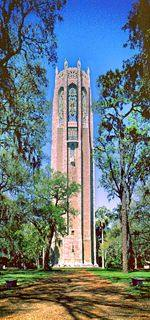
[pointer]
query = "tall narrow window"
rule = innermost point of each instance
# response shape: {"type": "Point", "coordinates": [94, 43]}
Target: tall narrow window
{"type": "Point", "coordinates": [84, 105]}
{"type": "Point", "coordinates": [72, 103]}
{"type": "Point", "coordinates": [61, 106]}
{"type": "Point", "coordinates": [72, 147]}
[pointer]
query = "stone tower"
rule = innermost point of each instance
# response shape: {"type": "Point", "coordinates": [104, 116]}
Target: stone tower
{"type": "Point", "coordinates": [71, 154]}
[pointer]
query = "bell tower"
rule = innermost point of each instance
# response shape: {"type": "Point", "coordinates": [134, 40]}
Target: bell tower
{"type": "Point", "coordinates": [72, 154]}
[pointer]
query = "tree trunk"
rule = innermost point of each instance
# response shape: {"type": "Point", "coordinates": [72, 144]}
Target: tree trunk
{"type": "Point", "coordinates": [124, 203]}
{"type": "Point", "coordinates": [47, 256]}
{"type": "Point", "coordinates": [43, 257]}
{"type": "Point", "coordinates": [124, 217]}
{"type": "Point", "coordinates": [135, 263]}
{"type": "Point", "coordinates": [103, 254]}
{"type": "Point", "coordinates": [48, 249]}
{"type": "Point", "coordinates": [131, 259]}
{"type": "Point", "coordinates": [37, 263]}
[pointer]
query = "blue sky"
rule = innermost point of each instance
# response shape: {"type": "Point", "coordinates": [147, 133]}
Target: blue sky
{"type": "Point", "coordinates": [91, 31]}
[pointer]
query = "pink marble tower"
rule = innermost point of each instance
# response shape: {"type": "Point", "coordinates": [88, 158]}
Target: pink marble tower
{"type": "Point", "coordinates": [72, 154]}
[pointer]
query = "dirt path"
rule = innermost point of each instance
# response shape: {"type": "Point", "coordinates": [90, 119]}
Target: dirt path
{"type": "Point", "coordinates": [76, 295]}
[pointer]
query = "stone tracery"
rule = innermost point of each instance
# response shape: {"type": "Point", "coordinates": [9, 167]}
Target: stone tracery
{"type": "Point", "coordinates": [84, 105]}
{"type": "Point", "coordinates": [72, 104]}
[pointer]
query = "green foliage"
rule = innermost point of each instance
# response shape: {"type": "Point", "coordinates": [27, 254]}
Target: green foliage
{"type": "Point", "coordinates": [138, 26]}
{"type": "Point", "coordinates": [103, 216]}
{"type": "Point", "coordinates": [139, 223]}
{"type": "Point", "coordinates": [30, 242]}
{"type": "Point", "coordinates": [26, 36]}
{"type": "Point", "coordinates": [28, 28]}
{"type": "Point", "coordinates": [139, 220]}
{"type": "Point", "coordinates": [122, 151]}
{"type": "Point", "coordinates": [123, 135]}
{"type": "Point", "coordinates": [49, 199]}
{"type": "Point", "coordinates": [14, 175]}
{"type": "Point", "coordinates": [113, 247]}
{"type": "Point", "coordinates": [11, 220]}
{"type": "Point", "coordinates": [49, 203]}
{"type": "Point", "coordinates": [37, 213]}
{"type": "Point", "coordinates": [110, 248]}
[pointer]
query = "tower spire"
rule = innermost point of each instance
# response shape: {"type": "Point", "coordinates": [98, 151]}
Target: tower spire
{"type": "Point", "coordinates": [79, 64]}
{"type": "Point", "coordinates": [56, 70]}
{"type": "Point", "coordinates": [65, 64]}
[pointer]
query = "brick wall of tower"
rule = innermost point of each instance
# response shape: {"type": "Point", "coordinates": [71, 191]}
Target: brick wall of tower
{"type": "Point", "coordinates": [86, 148]}
{"type": "Point", "coordinates": [75, 248]}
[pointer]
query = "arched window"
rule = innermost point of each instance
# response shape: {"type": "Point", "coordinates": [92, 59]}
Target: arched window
{"type": "Point", "coordinates": [84, 105]}
{"type": "Point", "coordinates": [72, 103]}
{"type": "Point", "coordinates": [72, 148]}
{"type": "Point", "coordinates": [61, 105]}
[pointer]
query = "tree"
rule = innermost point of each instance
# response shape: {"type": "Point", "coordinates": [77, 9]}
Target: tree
{"type": "Point", "coordinates": [11, 220]}
{"type": "Point", "coordinates": [22, 113]}
{"type": "Point", "coordinates": [13, 175]}
{"type": "Point", "coordinates": [110, 248]}
{"type": "Point", "coordinates": [23, 127]}
{"type": "Point", "coordinates": [18, 238]}
{"type": "Point", "coordinates": [121, 151]}
{"type": "Point", "coordinates": [138, 26]}
{"type": "Point", "coordinates": [103, 216]}
{"type": "Point", "coordinates": [26, 36]}
{"type": "Point", "coordinates": [113, 246]}
{"type": "Point", "coordinates": [27, 27]}
{"type": "Point", "coordinates": [47, 204]}
{"type": "Point", "coordinates": [139, 221]}
{"type": "Point", "coordinates": [30, 244]}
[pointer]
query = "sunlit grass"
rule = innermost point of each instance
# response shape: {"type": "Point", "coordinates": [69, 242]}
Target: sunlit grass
{"type": "Point", "coordinates": [120, 276]}
{"type": "Point", "coordinates": [23, 276]}
{"type": "Point", "coordinates": [27, 277]}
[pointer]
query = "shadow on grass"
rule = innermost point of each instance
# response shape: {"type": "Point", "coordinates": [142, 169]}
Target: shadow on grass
{"type": "Point", "coordinates": [75, 292]}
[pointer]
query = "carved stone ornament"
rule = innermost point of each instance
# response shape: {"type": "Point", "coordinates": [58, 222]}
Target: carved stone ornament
{"type": "Point", "coordinates": [72, 134]}
{"type": "Point", "coordinates": [72, 104]}
{"type": "Point", "coordinates": [72, 74]}
{"type": "Point", "coordinates": [61, 75]}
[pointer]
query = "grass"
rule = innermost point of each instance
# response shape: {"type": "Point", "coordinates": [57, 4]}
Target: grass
{"type": "Point", "coordinates": [116, 276]}
{"type": "Point", "coordinates": [120, 276]}
{"type": "Point", "coordinates": [23, 276]}
{"type": "Point", "coordinates": [30, 276]}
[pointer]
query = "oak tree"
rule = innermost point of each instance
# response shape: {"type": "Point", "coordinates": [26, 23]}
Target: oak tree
{"type": "Point", "coordinates": [122, 145]}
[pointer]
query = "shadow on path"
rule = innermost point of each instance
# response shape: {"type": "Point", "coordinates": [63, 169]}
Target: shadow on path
{"type": "Point", "coordinates": [74, 295]}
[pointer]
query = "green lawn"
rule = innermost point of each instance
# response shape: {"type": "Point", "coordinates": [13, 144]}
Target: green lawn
{"type": "Point", "coordinates": [30, 276]}
{"type": "Point", "coordinates": [121, 277]}
{"type": "Point", "coordinates": [23, 276]}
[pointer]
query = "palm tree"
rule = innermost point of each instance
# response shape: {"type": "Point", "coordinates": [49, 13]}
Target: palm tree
{"type": "Point", "coordinates": [103, 216]}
